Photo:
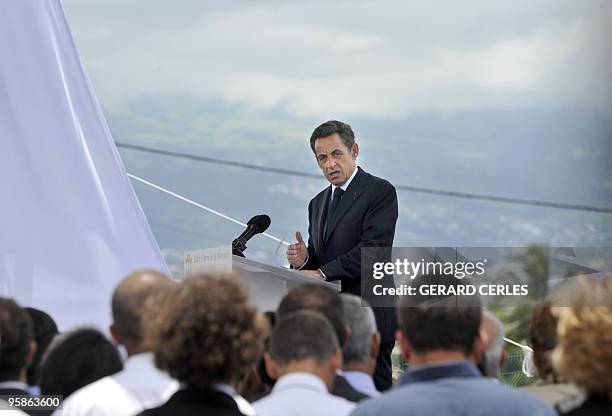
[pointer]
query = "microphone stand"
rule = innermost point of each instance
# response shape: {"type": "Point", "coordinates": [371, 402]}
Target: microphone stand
{"type": "Point", "coordinates": [238, 246]}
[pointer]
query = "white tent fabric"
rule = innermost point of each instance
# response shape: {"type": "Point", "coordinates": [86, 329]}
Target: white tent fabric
{"type": "Point", "coordinates": [70, 223]}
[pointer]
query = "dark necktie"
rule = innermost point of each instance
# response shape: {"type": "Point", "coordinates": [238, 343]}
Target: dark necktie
{"type": "Point", "coordinates": [334, 202]}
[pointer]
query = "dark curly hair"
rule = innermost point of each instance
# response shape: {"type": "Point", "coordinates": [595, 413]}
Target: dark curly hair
{"type": "Point", "coordinates": [204, 330]}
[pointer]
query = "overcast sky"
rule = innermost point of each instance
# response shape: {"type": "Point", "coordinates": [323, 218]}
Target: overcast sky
{"type": "Point", "coordinates": [382, 59]}
{"type": "Point", "coordinates": [507, 98]}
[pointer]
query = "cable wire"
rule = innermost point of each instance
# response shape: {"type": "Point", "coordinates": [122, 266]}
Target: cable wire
{"type": "Point", "coordinates": [409, 188]}
{"type": "Point", "coordinates": [205, 208]}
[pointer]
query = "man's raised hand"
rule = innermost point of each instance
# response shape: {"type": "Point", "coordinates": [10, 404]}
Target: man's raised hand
{"type": "Point", "coordinates": [297, 252]}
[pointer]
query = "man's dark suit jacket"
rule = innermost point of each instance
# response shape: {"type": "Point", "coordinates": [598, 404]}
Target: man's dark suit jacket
{"type": "Point", "coordinates": [342, 388]}
{"type": "Point", "coordinates": [188, 402]}
{"type": "Point", "coordinates": [365, 217]}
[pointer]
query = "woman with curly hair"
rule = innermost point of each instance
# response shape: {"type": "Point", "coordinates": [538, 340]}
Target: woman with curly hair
{"type": "Point", "coordinates": [584, 351]}
{"type": "Point", "coordinates": [206, 337]}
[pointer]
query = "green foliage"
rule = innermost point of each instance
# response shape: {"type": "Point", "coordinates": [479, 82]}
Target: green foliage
{"type": "Point", "coordinates": [511, 372]}
{"type": "Point", "coordinates": [516, 320]}
{"type": "Point", "coordinates": [535, 264]}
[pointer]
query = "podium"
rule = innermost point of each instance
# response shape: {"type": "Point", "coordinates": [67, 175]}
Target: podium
{"type": "Point", "coordinates": [267, 284]}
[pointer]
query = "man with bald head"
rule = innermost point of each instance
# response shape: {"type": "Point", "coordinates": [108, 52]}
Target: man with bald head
{"type": "Point", "coordinates": [139, 385]}
{"type": "Point", "coordinates": [494, 355]}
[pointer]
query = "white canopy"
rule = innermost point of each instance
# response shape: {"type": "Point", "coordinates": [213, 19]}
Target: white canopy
{"type": "Point", "coordinates": [70, 223]}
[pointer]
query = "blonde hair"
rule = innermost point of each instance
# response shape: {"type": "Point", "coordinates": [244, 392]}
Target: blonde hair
{"type": "Point", "coordinates": [584, 350]}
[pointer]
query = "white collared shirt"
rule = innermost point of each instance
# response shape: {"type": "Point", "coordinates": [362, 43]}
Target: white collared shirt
{"type": "Point", "coordinates": [345, 185]}
{"type": "Point", "coordinates": [362, 382]}
{"type": "Point", "coordinates": [137, 387]}
{"type": "Point", "coordinates": [302, 394]}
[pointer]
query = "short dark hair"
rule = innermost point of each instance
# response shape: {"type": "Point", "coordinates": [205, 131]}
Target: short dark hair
{"type": "Point", "coordinates": [45, 329]}
{"type": "Point", "coordinates": [204, 330]}
{"type": "Point", "coordinates": [301, 335]}
{"type": "Point", "coordinates": [449, 323]}
{"type": "Point", "coordinates": [17, 334]}
{"type": "Point", "coordinates": [331, 127]}
{"type": "Point", "coordinates": [75, 359]}
{"type": "Point", "coordinates": [316, 298]}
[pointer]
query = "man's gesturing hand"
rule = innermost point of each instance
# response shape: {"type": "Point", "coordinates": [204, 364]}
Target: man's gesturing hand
{"type": "Point", "coordinates": [297, 253]}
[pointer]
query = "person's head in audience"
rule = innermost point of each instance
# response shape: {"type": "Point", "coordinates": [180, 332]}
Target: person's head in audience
{"type": "Point", "coordinates": [321, 299]}
{"type": "Point", "coordinates": [494, 355]}
{"type": "Point", "coordinates": [543, 340]}
{"type": "Point", "coordinates": [583, 354]}
{"type": "Point", "coordinates": [270, 317]}
{"type": "Point", "coordinates": [304, 341]}
{"type": "Point", "coordinates": [17, 345]}
{"type": "Point", "coordinates": [361, 350]}
{"type": "Point", "coordinates": [75, 359]}
{"type": "Point", "coordinates": [128, 303]}
{"type": "Point", "coordinates": [206, 332]}
{"type": "Point", "coordinates": [440, 328]}
{"type": "Point", "coordinates": [257, 383]}
{"type": "Point", "coordinates": [45, 329]}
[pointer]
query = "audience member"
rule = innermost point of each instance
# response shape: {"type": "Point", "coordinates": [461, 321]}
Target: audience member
{"type": "Point", "coordinates": [360, 352]}
{"type": "Point", "coordinates": [206, 337]}
{"type": "Point", "coordinates": [304, 357]}
{"type": "Point", "coordinates": [17, 348]}
{"type": "Point", "coordinates": [543, 339]}
{"type": "Point", "coordinates": [268, 381]}
{"type": "Point", "coordinates": [258, 383]}
{"type": "Point", "coordinates": [494, 355]}
{"type": "Point", "coordinates": [75, 359]}
{"type": "Point", "coordinates": [140, 384]}
{"type": "Point", "coordinates": [45, 330]}
{"type": "Point", "coordinates": [583, 354]}
{"type": "Point", "coordinates": [438, 336]}
{"type": "Point", "coordinates": [328, 302]}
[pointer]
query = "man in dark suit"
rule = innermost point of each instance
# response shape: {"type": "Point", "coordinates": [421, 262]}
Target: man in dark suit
{"type": "Point", "coordinates": [358, 210]}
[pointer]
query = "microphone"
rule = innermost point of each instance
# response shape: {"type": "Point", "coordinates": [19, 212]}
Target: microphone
{"type": "Point", "coordinates": [256, 225]}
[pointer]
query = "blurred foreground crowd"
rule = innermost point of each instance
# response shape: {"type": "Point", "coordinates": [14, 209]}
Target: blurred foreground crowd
{"type": "Point", "coordinates": [199, 346]}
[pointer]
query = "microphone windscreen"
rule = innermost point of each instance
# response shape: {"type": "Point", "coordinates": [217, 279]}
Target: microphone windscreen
{"type": "Point", "coordinates": [260, 223]}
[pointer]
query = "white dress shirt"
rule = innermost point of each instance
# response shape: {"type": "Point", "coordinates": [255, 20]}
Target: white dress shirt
{"type": "Point", "coordinates": [362, 382]}
{"type": "Point", "coordinates": [302, 394]}
{"type": "Point", "coordinates": [345, 185]}
{"type": "Point", "coordinates": [137, 387]}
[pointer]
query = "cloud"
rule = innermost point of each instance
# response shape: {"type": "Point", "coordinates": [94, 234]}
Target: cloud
{"type": "Point", "coordinates": [374, 59]}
